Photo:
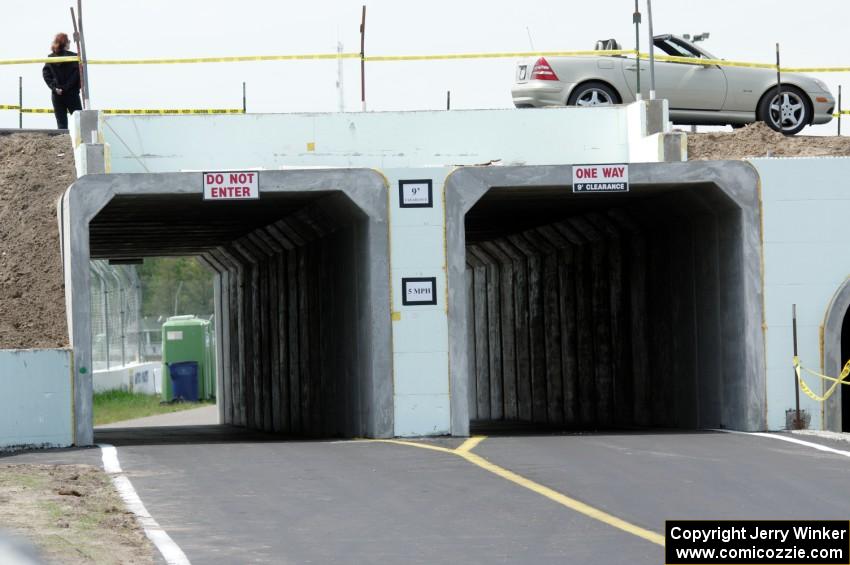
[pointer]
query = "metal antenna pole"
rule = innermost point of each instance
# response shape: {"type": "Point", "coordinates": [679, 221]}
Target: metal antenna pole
{"type": "Point", "coordinates": [363, 59]}
{"type": "Point", "coordinates": [79, 51]}
{"type": "Point", "coordinates": [244, 99]}
{"type": "Point", "coordinates": [339, 77]}
{"type": "Point", "coordinates": [21, 105]}
{"type": "Point", "coordinates": [448, 100]}
{"type": "Point", "coordinates": [636, 20]}
{"type": "Point", "coordinates": [83, 58]}
{"type": "Point", "coordinates": [531, 41]}
{"type": "Point", "coordinates": [651, 53]}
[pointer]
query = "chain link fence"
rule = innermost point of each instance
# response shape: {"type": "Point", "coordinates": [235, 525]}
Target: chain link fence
{"type": "Point", "coordinates": [116, 304]}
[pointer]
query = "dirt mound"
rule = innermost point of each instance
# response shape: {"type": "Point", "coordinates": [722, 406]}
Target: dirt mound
{"type": "Point", "coordinates": [34, 171]}
{"type": "Point", "coordinates": [758, 140]}
{"type": "Point", "coordinates": [72, 513]}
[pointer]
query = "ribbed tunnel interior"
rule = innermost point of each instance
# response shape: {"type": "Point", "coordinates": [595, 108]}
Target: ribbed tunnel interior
{"type": "Point", "coordinates": [291, 299]}
{"type": "Point", "coordinates": [590, 311]}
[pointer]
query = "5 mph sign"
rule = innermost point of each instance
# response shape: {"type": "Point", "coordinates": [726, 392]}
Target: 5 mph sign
{"type": "Point", "coordinates": [600, 178]}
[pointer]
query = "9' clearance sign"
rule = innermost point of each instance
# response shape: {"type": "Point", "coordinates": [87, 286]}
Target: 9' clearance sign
{"type": "Point", "coordinates": [231, 185]}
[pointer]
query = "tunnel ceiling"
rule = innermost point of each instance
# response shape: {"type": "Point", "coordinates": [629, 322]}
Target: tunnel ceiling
{"type": "Point", "coordinates": [183, 224]}
{"type": "Point", "coordinates": [507, 210]}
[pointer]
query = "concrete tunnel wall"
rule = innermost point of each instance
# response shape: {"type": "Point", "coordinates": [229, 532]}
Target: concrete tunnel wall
{"type": "Point", "coordinates": [301, 289]}
{"type": "Point", "coordinates": [594, 311]}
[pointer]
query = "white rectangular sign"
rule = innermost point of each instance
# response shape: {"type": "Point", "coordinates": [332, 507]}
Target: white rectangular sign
{"type": "Point", "coordinates": [419, 291]}
{"type": "Point", "coordinates": [416, 193]}
{"type": "Point", "coordinates": [231, 185]}
{"type": "Point", "coordinates": [600, 178]}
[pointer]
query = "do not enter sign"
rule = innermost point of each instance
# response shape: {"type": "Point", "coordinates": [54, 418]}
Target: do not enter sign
{"type": "Point", "coordinates": [232, 185]}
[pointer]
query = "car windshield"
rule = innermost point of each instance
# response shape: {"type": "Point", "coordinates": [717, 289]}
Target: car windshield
{"type": "Point", "coordinates": [678, 47]}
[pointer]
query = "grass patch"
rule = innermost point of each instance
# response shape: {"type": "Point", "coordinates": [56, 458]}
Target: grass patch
{"type": "Point", "coordinates": [119, 405]}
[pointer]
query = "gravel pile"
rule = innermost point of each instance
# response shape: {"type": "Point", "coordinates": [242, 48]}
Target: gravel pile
{"type": "Point", "coordinates": [758, 140]}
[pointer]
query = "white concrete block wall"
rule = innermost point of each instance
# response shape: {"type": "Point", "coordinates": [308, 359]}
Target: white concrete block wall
{"type": "Point", "coordinates": [379, 140]}
{"type": "Point", "coordinates": [36, 398]}
{"type": "Point", "coordinates": [806, 204]}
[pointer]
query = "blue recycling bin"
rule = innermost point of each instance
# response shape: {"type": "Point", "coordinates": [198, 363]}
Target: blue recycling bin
{"type": "Point", "coordinates": [184, 380]}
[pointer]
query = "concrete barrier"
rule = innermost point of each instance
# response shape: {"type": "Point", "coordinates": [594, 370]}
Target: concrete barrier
{"type": "Point", "coordinates": [143, 378]}
{"type": "Point", "coordinates": [36, 396]}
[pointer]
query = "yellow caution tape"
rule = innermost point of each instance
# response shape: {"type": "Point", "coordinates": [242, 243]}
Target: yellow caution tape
{"type": "Point", "coordinates": [238, 59]}
{"type": "Point", "coordinates": [702, 61]}
{"type": "Point", "coordinates": [9, 107]}
{"type": "Point", "coordinates": [37, 110]}
{"type": "Point", "coordinates": [815, 69]}
{"type": "Point", "coordinates": [73, 59]}
{"type": "Point", "coordinates": [438, 57]}
{"type": "Point", "coordinates": [841, 380]}
{"type": "Point", "coordinates": [591, 53]}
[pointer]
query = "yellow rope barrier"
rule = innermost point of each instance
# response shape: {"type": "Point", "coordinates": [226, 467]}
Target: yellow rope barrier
{"type": "Point", "coordinates": [436, 57]}
{"type": "Point", "coordinates": [841, 380]}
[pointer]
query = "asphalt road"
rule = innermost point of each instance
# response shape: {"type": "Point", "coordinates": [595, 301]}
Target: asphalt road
{"type": "Point", "coordinates": [229, 496]}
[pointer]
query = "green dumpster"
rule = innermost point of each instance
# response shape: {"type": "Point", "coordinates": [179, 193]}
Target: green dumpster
{"type": "Point", "coordinates": [187, 338]}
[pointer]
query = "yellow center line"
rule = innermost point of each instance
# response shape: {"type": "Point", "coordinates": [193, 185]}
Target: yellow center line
{"type": "Point", "coordinates": [464, 452]}
{"type": "Point", "coordinates": [565, 500]}
{"type": "Point", "coordinates": [470, 444]}
{"type": "Point", "coordinates": [412, 444]}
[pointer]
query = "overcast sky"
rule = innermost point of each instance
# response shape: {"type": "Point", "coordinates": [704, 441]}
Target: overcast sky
{"type": "Point", "coordinates": [809, 34]}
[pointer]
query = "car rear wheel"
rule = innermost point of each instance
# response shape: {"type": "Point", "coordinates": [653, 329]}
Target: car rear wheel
{"type": "Point", "coordinates": [592, 94]}
{"type": "Point", "coordinates": [789, 112]}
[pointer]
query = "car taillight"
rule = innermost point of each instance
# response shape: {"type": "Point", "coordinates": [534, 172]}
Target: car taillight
{"type": "Point", "coordinates": [542, 70]}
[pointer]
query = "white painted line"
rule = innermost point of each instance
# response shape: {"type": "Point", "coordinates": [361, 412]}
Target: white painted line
{"type": "Point", "coordinates": [824, 434]}
{"type": "Point", "coordinates": [170, 551]}
{"type": "Point", "coordinates": [780, 437]}
{"type": "Point", "coordinates": [110, 458]}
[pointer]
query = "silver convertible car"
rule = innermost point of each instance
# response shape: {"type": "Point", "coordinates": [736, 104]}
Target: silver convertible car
{"type": "Point", "coordinates": [709, 94]}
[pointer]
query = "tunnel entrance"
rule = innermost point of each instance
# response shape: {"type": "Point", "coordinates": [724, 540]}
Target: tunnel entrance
{"type": "Point", "coordinates": [593, 311]}
{"type": "Point", "coordinates": [301, 291]}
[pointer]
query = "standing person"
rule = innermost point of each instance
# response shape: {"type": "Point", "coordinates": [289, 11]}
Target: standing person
{"type": "Point", "coordinates": [63, 80]}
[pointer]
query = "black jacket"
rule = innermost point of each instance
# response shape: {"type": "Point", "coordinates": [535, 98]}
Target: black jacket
{"type": "Point", "coordinates": [62, 75]}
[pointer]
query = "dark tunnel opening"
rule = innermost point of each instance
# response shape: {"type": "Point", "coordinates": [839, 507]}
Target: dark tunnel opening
{"type": "Point", "coordinates": [605, 311]}
{"type": "Point", "coordinates": [292, 300]}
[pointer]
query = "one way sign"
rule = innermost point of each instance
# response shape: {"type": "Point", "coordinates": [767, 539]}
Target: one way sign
{"type": "Point", "coordinates": [600, 178]}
